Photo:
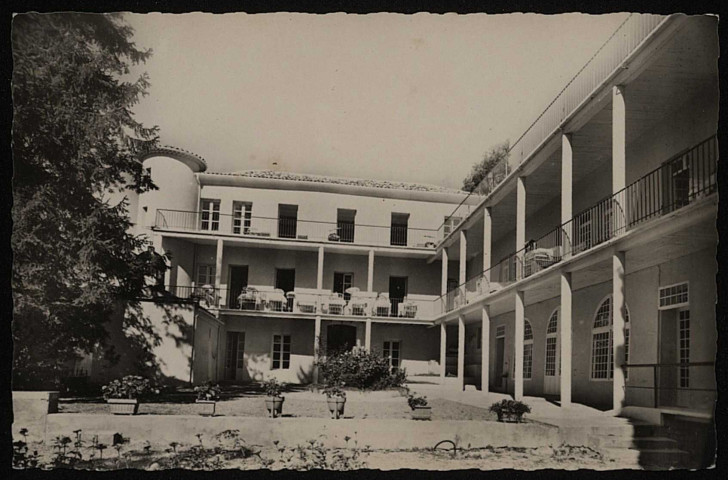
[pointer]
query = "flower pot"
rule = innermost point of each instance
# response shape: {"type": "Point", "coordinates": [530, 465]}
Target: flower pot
{"type": "Point", "coordinates": [336, 406]}
{"type": "Point", "coordinates": [422, 413]}
{"type": "Point", "coordinates": [123, 406]}
{"type": "Point", "coordinates": [206, 407]}
{"type": "Point", "coordinates": [274, 406]}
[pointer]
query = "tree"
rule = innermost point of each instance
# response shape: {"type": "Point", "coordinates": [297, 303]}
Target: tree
{"type": "Point", "coordinates": [74, 139]}
{"type": "Point", "coordinates": [496, 156]}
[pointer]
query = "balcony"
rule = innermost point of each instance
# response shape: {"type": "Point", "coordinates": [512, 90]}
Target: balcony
{"type": "Point", "coordinates": [680, 181]}
{"type": "Point", "coordinates": [577, 92]}
{"type": "Point", "coordinates": [293, 229]}
{"type": "Point", "coordinates": [268, 300]}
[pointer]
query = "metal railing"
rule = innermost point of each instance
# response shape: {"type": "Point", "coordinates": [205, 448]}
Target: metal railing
{"type": "Point", "coordinates": [324, 303]}
{"type": "Point", "coordinates": [675, 384]}
{"type": "Point", "coordinates": [605, 61]}
{"type": "Point", "coordinates": [683, 179]}
{"type": "Point", "coordinates": [296, 229]}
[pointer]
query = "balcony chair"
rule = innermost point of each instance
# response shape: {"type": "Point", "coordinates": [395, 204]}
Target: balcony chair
{"type": "Point", "coordinates": [408, 308]}
{"type": "Point", "coordinates": [540, 258]}
{"type": "Point", "coordinates": [361, 303]}
{"type": "Point", "coordinates": [306, 300]}
{"type": "Point", "coordinates": [276, 300]}
{"type": "Point", "coordinates": [336, 304]}
{"type": "Point", "coordinates": [249, 299]}
{"type": "Point", "coordinates": [382, 305]}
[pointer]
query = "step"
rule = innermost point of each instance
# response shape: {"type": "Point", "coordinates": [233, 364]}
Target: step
{"type": "Point", "coordinates": [637, 443]}
{"type": "Point", "coordinates": [658, 458]}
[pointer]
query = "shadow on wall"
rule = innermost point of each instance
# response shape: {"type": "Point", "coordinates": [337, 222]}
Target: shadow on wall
{"type": "Point", "coordinates": [258, 369]}
{"type": "Point", "coordinates": [149, 338]}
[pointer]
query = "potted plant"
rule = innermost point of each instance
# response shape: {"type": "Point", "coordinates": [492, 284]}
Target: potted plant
{"type": "Point", "coordinates": [274, 399]}
{"type": "Point", "coordinates": [207, 397]}
{"type": "Point", "coordinates": [336, 399]}
{"type": "Point", "coordinates": [420, 409]}
{"type": "Point", "coordinates": [510, 410]}
{"type": "Point", "coordinates": [123, 394]}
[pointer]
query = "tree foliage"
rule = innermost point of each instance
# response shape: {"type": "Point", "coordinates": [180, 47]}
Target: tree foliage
{"type": "Point", "coordinates": [74, 140]}
{"type": "Point", "coordinates": [494, 157]}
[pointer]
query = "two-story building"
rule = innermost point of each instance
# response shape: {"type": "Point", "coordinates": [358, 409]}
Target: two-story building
{"type": "Point", "coordinates": [581, 269]}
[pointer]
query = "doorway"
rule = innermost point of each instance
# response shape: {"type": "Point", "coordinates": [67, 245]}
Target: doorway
{"type": "Point", "coordinates": [500, 350]}
{"type": "Point", "coordinates": [286, 281]}
{"type": "Point", "coordinates": [340, 338]}
{"type": "Point", "coordinates": [237, 281]}
{"type": "Point", "coordinates": [287, 221]}
{"type": "Point", "coordinates": [235, 356]}
{"type": "Point", "coordinates": [397, 292]}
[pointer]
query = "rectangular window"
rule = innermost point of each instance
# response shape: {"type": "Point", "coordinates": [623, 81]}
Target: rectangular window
{"type": "Point", "coordinates": [239, 361]}
{"type": "Point", "coordinates": [391, 352]}
{"type": "Point", "coordinates": [205, 275]}
{"type": "Point", "coordinates": [684, 350]}
{"type": "Point", "coordinates": [550, 357]}
{"type": "Point", "coordinates": [450, 224]}
{"type": "Point", "coordinates": [500, 331]}
{"type": "Point", "coordinates": [398, 235]}
{"type": "Point", "coordinates": [527, 360]}
{"type": "Point", "coordinates": [281, 352]}
{"type": "Point", "coordinates": [673, 296]}
{"type": "Point", "coordinates": [242, 217]}
{"type": "Point", "coordinates": [210, 215]}
{"type": "Point", "coordinates": [626, 352]}
{"type": "Point", "coordinates": [601, 358]}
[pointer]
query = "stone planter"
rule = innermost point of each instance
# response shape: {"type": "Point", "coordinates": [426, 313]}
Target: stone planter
{"type": "Point", "coordinates": [510, 417]}
{"type": "Point", "coordinates": [123, 406]}
{"type": "Point", "coordinates": [274, 406]}
{"type": "Point", "coordinates": [206, 408]}
{"type": "Point", "coordinates": [336, 406]}
{"type": "Point", "coordinates": [422, 413]}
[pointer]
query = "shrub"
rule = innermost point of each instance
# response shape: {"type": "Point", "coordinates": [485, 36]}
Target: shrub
{"type": "Point", "coordinates": [416, 401]}
{"type": "Point", "coordinates": [208, 391]}
{"type": "Point", "coordinates": [273, 387]}
{"type": "Point", "coordinates": [129, 387]}
{"type": "Point", "coordinates": [334, 391]}
{"type": "Point", "coordinates": [360, 369]}
{"type": "Point", "coordinates": [510, 407]}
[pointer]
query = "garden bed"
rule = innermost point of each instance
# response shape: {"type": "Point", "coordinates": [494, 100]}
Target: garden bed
{"type": "Point", "coordinates": [380, 405]}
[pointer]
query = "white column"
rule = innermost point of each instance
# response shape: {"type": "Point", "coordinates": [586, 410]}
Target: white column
{"type": "Point", "coordinates": [218, 272]}
{"type": "Point", "coordinates": [487, 237]}
{"type": "Point", "coordinates": [320, 271]}
{"type": "Point", "coordinates": [463, 257]}
{"type": "Point", "coordinates": [518, 337]}
{"type": "Point", "coordinates": [520, 224]}
{"type": "Point", "coordinates": [565, 339]}
{"type": "Point", "coordinates": [461, 353]}
{"type": "Point", "coordinates": [619, 155]}
{"type": "Point", "coordinates": [619, 138]}
{"type": "Point", "coordinates": [443, 288]}
{"type": "Point", "coordinates": [368, 335]}
{"type": "Point", "coordinates": [316, 347]}
{"type": "Point", "coordinates": [567, 177]}
{"type": "Point", "coordinates": [370, 272]}
{"type": "Point", "coordinates": [618, 314]}
{"type": "Point", "coordinates": [485, 349]}
{"type": "Point", "coordinates": [443, 351]}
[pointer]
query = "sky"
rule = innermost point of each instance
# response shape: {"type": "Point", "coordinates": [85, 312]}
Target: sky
{"type": "Point", "coordinates": [417, 98]}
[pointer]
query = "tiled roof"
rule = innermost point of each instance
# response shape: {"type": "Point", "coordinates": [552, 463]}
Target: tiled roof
{"type": "Point", "coordinates": [355, 182]}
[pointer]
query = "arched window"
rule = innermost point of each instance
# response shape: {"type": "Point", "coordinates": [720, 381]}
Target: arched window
{"type": "Point", "coordinates": [602, 361]}
{"type": "Point", "coordinates": [552, 333]}
{"type": "Point", "coordinates": [527, 350]}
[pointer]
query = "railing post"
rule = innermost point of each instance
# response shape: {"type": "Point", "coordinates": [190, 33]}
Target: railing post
{"type": "Point", "coordinates": [655, 387]}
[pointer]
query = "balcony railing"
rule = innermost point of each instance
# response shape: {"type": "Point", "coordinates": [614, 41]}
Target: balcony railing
{"type": "Point", "coordinates": [680, 181]}
{"type": "Point", "coordinates": [607, 59]}
{"type": "Point", "coordinates": [672, 384]}
{"type": "Point", "coordinates": [309, 301]}
{"type": "Point", "coordinates": [289, 228]}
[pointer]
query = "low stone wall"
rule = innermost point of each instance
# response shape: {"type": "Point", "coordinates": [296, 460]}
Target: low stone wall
{"type": "Point", "coordinates": [30, 411]}
{"type": "Point", "coordinates": [378, 433]}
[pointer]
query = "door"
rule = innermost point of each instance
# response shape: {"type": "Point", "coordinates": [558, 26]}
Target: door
{"type": "Point", "coordinates": [340, 338]}
{"type": "Point", "coordinates": [342, 282]}
{"type": "Point", "coordinates": [235, 356]}
{"type": "Point", "coordinates": [398, 231]}
{"type": "Point", "coordinates": [287, 221]}
{"type": "Point", "coordinates": [286, 281]}
{"type": "Point", "coordinates": [500, 349]}
{"type": "Point", "coordinates": [397, 292]}
{"type": "Point", "coordinates": [552, 369]}
{"type": "Point", "coordinates": [668, 351]}
{"type": "Point", "coordinates": [238, 281]}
